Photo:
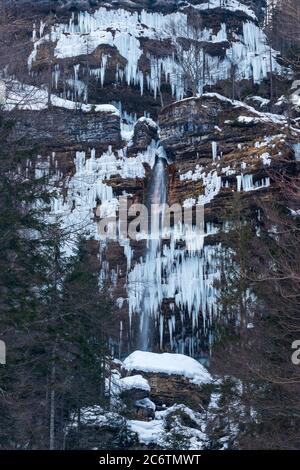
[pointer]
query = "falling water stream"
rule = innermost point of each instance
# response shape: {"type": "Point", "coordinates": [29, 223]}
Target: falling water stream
{"type": "Point", "coordinates": [296, 148]}
{"type": "Point", "coordinates": [157, 197]}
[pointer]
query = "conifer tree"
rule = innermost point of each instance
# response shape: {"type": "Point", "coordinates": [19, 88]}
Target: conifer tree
{"type": "Point", "coordinates": [55, 317]}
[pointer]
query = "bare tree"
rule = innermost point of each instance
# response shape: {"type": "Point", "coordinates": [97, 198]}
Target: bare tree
{"type": "Point", "coordinates": [259, 350]}
{"type": "Point", "coordinates": [283, 29]}
{"type": "Point", "coordinates": [190, 55]}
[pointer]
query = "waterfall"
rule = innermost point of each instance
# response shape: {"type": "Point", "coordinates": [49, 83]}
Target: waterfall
{"type": "Point", "coordinates": [296, 148]}
{"type": "Point", "coordinates": [157, 197]}
{"type": "Point", "coordinates": [175, 266]}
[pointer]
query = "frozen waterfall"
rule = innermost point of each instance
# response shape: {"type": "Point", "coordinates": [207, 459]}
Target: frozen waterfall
{"type": "Point", "coordinates": [157, 197]}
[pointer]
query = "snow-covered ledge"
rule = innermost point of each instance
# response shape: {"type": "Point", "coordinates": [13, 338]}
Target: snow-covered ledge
{"type": "Point", "coordinates": [168, 364]}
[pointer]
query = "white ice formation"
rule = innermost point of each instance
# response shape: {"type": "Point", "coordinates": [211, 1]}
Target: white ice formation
{"type": "Point", "coordinates": [124, 31]}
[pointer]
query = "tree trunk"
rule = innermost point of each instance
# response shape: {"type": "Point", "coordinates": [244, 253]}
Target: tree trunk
{"type": "Point", "coordinates": [52, 409]}
{"type": "Point", "coordinates": [271, 79]}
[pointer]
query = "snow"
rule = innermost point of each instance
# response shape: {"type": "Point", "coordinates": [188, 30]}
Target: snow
{"type": "Point", "coordinates": [94, 416]}
{"type": "Point", "coordinates": [148, 431]}
{"type": "Point", "coordinates": [258, 115]}
{"type": "Point", "coordinates": [247, 120]}
{"type": "Point", "coordinates": [169, 364]}
{"type": "Point", "coordinates": [28, 97]}
{"type": "Point", "coordinates": [189, 202]}
{"type": "Point", "coordinates": [212, 182]}
{"type": "Point", "coordinates": [266, 158]}
{"type": "Point", "coordinates": [149, 122]}
{"type": "Point", "coordinates": [146, 403]}
{"type": "Point", "coordinates": [135, 382]}
{"type": "Point", "coordinates": [116, 385]}
{"type": "Point", "coordinates": [295, 213]}
{"type": "Point", "coordinates": [158, 431]}
{"type": "Point", "coordinates": [231, 5]}
{"type": "Point", "coordinates": [212, 185]}
{"type": "Point", "coordinates": [193, 415]}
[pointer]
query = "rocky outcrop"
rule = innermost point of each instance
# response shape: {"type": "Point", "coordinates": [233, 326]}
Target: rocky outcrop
{"type": "Point", "coordinates": [188, 127]}
{"type": "Point", "coordinates": [169, 389]}
{"type": "Point", "coordinates": [173, 378]}
{"type": "Point", "coordinates": [139, 417]}
{"type": "Point", "coordinates": [216, 143]}
{"type": "Point", "coordinates": [98, 55]}
{"type": "Point", "coordinates": [62, 128]}
{"type": "Point", "coordinates": [145, 130]}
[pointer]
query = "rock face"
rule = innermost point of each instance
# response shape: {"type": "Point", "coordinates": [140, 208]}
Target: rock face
{"type": "Point", "coordinates": [60, 128]}
{"type": "Point", "coordinates": [169, 389]}
{"type": "Point", "coordinates": [216, 143]}
{"type": "Point", "coordinates": [131, 51]}
{"type": "Point", "coordinates": [188, 127]}
{"type": "Point", "coordinates": [145, 130]}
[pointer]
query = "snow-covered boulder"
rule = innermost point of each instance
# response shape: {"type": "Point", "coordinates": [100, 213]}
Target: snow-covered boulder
{"type": "Point", "coordinates": [135, 382]}
{"type": "Point", "coordinates": [145, 409]}
{"type": "Point", "coordinates": [134, 388]}
{"type": "Point", "coordinates": [174, 426]}
{"type": "Point", "coordinates": [168, 364]}
{"type": "Point", "coordinates": [173, 378]}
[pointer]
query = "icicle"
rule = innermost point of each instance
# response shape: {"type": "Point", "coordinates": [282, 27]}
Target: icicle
{"type": "Point", "coordinates": [214, 146]}
{"type": "Point", "coordinates": [161, 331]}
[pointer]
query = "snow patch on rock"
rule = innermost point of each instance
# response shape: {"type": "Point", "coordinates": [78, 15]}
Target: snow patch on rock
{"type": "Point", "coordinates": [135, 382]}
{"type": "Point", "coordinates": [168, 364]}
